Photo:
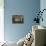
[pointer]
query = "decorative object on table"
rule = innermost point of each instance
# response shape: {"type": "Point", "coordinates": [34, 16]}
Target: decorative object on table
{"type": "Point", "coordinates": [39, 16]}
{"type": "Point", "coordinates": [17, 19]}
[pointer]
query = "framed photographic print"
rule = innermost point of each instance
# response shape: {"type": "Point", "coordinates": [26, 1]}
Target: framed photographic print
{"type": "Point", "coordinates": [17, 19]}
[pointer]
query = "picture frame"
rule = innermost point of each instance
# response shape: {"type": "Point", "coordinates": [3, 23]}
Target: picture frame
{"type": "Point", "coordinates": [17, 19]}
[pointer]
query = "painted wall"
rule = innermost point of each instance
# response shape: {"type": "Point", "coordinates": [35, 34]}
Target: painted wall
{"type": "Point", "coordinates": [43, 6]}
{"type": "Point", "coordinates": [28, 8]}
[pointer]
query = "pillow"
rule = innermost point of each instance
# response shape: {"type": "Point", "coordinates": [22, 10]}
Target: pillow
{"type": "Point", "coordinates": [10, 43]}
{"type": "Point", "coordinates": [21, 42]}
{"type": "Point", "coordinates": [28, 40]}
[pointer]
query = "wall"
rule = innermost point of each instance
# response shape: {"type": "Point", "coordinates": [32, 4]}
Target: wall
{"type": "Point", "coordinates": [43, 6]}
{"type": "Point", "coordinates": [1, 20]}
{"type": "Point", "coordinates": [13, 32]}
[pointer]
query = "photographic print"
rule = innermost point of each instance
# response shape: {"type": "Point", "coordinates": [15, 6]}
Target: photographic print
{"type": "Point", "coordinates": [17, 19]}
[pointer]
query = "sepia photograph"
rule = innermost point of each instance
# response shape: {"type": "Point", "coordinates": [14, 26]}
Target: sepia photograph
{"type": "Point", "coordinates": [17, 19]}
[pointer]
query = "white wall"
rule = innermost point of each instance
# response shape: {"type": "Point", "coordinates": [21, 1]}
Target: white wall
{"type": "Point", "coordinates": [1, 20]}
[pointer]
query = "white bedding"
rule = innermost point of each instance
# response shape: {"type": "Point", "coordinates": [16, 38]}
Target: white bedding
{"type": "Point", "coordinates": [9, 44]}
